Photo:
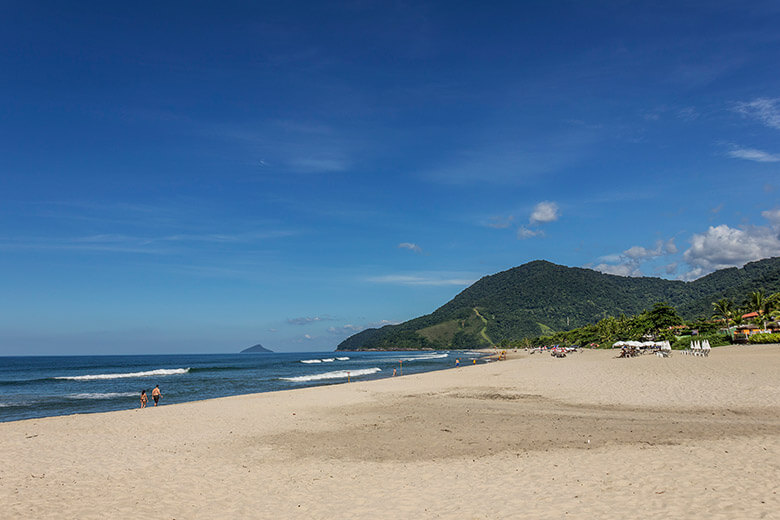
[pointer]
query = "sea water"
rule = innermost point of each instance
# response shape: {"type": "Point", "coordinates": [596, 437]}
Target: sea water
{"type": "Point", "coordinates": [32, 387]}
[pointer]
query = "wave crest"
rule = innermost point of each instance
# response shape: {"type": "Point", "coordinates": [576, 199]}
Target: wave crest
{"type": "Point", "coordinates": [427, 356]}
{"type": "Point", "coordinates": [103, 395]}
{"type": "Point", "coordinates": [148, 373]}
{"type": "Point", "coordinates": [338, 374]}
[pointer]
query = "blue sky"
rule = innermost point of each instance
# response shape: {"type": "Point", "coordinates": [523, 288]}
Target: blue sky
{"type": "Point", "coordinates": [204, 176]}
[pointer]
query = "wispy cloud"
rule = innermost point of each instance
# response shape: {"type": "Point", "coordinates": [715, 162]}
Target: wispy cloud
{"type": "Point", "coordinates": [752, 154]}
{"type": "Point", "coordinates": [420, 279]}
{"type": "Point", "coordinates": [523, 233]}
{"type": "Point", "coordinates": [410, 246]}
{"type": "Point", "coordinates": [94, 243]}
{"type": "Point", "coordinates": [500, 222]}
{"type": "Point", "coordinates": [765, 110]}
{"type": "Point", "coordinates": [629, 262]}
{"type": "Point", "coordinates": [306, 320]}
{"type": "Point", "coordinates": [345, 329]}
{"type": "Point", "coordinates": [381, 323]}
{"type": "Point", "coordinates": [320, 164]}
{"type": "Point", "coordinates": [303, 147]}
{"type": "Point", "coordinates": [123, 243]}
{"type": "Point", "coordinates": [510, 163]}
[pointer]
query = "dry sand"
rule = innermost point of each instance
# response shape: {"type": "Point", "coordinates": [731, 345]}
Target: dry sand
{"type": "Point", "coordinates": [587, 436]}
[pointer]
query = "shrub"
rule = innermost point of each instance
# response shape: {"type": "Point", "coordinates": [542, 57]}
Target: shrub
{"type": "Point", "coordinates": [764, 338]}
{"type": "Point", "coordinates": [716, 340]}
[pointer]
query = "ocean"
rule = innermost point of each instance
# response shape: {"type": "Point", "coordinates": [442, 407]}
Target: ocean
{"type": "Point", "coordinates": [33, 387]}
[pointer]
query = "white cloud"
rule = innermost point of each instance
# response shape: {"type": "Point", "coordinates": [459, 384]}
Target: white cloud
{"type": "Point", "coordinates": [305, 320]}
{"type": "Point", "coordinates": [773, 216]}
{"type": "Point", "coordinates": [638, 253]}
{"type": "Point", "coordinates": [344, 329]}
{"type": "Point", "coordinates": [661, 248]}
{"type": "Point", "coordinates": [349, 329]}
{"type": "Point", "coordinates": [765, 110]}
{"type": "Point", "coordinates": [544, 212]}
{"type": "Point", "coordinates": [628, 268]}
{"type": "Point", "coordinates": [381, 323]}
{"type": "Point", "coordinates": [410, 246]}
{"type": "Point", "coordinates": [722, 246]}
{"type": "Point", "coordinates": [523, 233]}
{"type": "Point", "coordinates": [628, 263]}
{"type": "Point", "coordinates": [752, 154]}
{"type": "Point", "coordinates": [719, 247]}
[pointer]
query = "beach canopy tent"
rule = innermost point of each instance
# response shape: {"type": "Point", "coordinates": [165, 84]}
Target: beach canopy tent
{"type": "Point", "coordinates": [643, 344]}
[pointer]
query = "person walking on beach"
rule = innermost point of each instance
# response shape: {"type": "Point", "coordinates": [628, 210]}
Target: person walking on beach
{"type": "Point", "coordinates": [144, 399]}
{"type": "Point", "coordinates": [156, 395]}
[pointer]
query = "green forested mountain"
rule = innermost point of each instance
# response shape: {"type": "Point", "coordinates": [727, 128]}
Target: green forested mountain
{"type": "Point", "coordinates": [540, 297]}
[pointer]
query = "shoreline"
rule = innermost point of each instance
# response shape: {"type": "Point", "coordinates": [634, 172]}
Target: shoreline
{"type": "Point", "coordinates": [64, 386]}
{"type": "Point", "coordinates": [534, 436]}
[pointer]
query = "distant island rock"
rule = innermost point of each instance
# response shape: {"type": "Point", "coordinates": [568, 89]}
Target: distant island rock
{"type": "Point", "coordinates": [255, 349]}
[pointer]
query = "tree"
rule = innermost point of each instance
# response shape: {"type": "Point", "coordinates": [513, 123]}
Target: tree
{"type": "Point", "coordinates": [723, 308]}
{"type": "Point", "coordinates": [756, 301]}
{"type": "Point", "coordinates": [663, 317]}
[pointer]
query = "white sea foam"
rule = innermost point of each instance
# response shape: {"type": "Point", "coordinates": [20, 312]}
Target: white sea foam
{"type": "Point", "coordinates": [339, 374]}
{"type": "Point", "coordinates": [311, 361]}
{"type": "Point", "coordinates": [427, 356]}
{"type": "Point", "coordinates": [105, 395]}
{"type": "Point", "coordinates": [328, 360]}
{"type": "Point", "coordinates": [149, 373]}
{"type": "Point", "coordinates": [342, 358]}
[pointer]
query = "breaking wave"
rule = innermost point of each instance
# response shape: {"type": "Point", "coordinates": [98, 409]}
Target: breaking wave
{"type": "Point", "coordinates": [427, 356]}
{"type": "Point", "coordinates": [149, 373]}
{"type": "Point", "coordinates": [102, 395]}
{"type": "Point", "coordinates": [338, 374]}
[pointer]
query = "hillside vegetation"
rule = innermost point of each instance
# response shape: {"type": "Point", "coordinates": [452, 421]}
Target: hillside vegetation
{"type": "Point", "coordinates": [541, 298]}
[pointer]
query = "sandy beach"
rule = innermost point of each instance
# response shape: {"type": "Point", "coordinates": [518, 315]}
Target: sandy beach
{"type": "Point", "coordinates": [586, 436]}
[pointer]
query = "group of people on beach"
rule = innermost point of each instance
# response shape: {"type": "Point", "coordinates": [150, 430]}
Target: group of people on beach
{"type": "Point", "coordinates": [156, 395]}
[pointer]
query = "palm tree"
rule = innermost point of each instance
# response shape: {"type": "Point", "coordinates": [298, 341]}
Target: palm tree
{"type": "Point", "coordinates": [771, 304]}
{"type": "Point", "coordinates": [723, 308]}
{"type": "Point", "coordinates": [756, 301]}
